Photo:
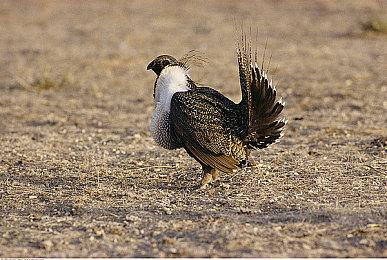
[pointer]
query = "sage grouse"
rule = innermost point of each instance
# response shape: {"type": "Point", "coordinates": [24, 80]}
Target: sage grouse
{"type": "Point", "coordinates": [214, 130]}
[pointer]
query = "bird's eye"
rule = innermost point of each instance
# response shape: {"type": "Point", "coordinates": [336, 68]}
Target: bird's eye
{"type": "Point", "coordinates": [165, 63]}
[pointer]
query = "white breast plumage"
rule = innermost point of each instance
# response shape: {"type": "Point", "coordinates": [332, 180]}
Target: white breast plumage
{"type": "Point", "coordinates": [172, 79]}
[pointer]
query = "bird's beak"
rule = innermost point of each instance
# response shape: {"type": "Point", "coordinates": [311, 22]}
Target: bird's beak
{"type": "Point", "coordinates": [150, 65]}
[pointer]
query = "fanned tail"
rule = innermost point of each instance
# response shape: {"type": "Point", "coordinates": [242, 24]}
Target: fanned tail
{"type": "Point", "coordinates": [259, 98]}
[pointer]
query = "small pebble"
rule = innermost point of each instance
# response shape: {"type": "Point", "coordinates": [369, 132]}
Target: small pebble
{"type": "Point", "coordinates": [46, 244]}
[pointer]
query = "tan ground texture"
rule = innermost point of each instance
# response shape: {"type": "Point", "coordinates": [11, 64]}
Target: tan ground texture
{"type": "Point", "coordinates": [81, 176]}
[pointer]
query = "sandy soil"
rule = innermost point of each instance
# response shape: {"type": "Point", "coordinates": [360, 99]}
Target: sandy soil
{"type": "Point", "coordinates": [81, 177]}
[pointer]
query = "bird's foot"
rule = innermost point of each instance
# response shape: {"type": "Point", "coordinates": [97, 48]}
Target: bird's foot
{"type": "Point", "coordinates": [209, 177]}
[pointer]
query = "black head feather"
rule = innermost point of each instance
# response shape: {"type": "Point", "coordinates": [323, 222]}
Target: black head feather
{"type": "Point", "coordinates": [158, 64]}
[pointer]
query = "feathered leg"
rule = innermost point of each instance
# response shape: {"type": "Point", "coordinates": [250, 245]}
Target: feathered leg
{"type": "Point", "coordinates": [209, 175]}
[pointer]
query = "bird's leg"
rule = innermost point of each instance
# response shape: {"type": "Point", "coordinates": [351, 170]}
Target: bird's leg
{"type": "Point", "coordinates": [214, 174]}
{"type": "Point", "coordinates": [209, 175]}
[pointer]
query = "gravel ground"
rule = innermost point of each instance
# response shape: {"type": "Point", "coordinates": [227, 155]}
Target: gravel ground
{"type": "Point", "coordinates": [80, 175]}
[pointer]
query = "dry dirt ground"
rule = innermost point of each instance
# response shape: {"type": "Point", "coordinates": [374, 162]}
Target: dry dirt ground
{"type": "Point", "coordinates": [80, 175]}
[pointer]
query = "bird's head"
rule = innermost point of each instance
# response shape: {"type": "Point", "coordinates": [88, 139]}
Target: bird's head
{"type": "Point", "coordinates": [158, 64]}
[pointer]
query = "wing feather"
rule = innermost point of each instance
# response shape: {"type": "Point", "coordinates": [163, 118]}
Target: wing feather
{"type": "Point", "coordinates": [201, 117]}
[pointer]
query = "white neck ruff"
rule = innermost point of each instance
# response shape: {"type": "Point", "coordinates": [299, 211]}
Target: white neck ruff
{"type": "Point", "coordinates": [172, 79]}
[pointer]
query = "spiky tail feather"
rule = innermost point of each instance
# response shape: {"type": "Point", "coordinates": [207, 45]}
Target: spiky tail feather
{"type": "Point", "coordinates": [259, 96]}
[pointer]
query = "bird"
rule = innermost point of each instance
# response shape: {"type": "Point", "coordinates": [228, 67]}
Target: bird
{"type": "Point", "coordinates": [217, 132]}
